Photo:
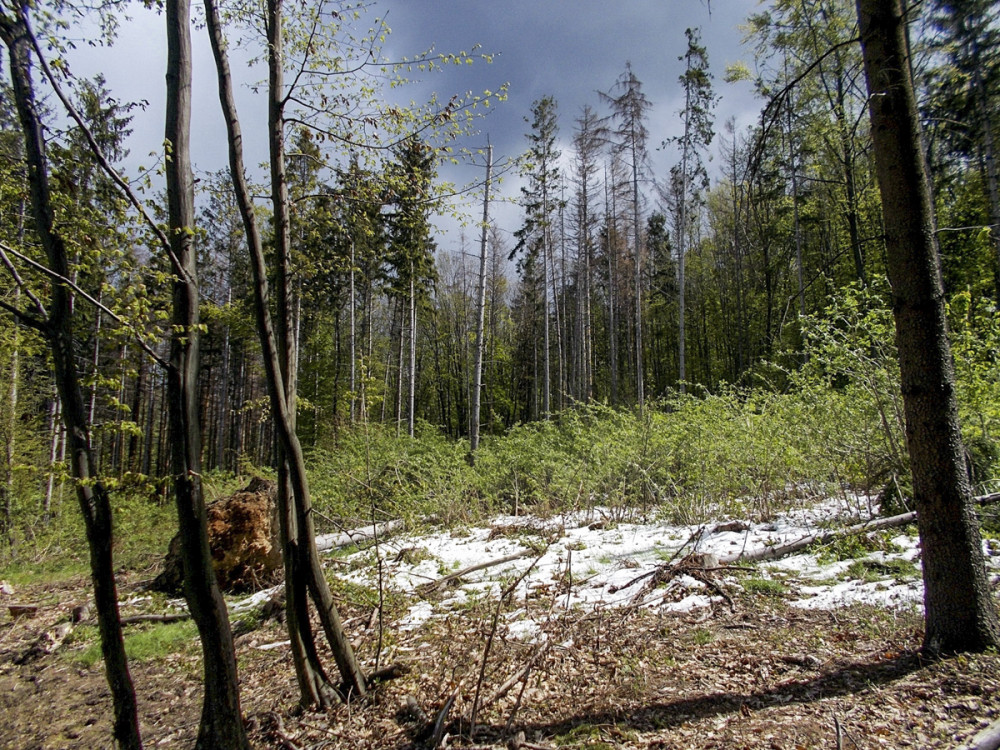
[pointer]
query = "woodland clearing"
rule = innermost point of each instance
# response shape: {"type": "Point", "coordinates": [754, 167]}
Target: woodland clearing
{"type": "Point", "coordinates": [586, 643]}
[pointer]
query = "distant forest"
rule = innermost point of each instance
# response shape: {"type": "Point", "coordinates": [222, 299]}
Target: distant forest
{"type": "Point", "coordinates": [627, 286]}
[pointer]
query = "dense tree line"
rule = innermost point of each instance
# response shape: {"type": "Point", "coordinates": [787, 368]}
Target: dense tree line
{"type": "Point", "coordinates": [627, 285]}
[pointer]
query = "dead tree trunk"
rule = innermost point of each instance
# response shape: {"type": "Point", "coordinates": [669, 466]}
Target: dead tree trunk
{"type": "Point", "coordinates": [477, 368]}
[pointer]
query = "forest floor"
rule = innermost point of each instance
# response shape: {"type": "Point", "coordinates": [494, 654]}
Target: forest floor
{"type": "Point", "coordinates": [816, 651]}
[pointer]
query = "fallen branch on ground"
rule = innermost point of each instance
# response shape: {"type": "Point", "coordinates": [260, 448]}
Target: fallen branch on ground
{"type": "Point", "coordinates": [776, 551]}
{"type": "Point", "coordinates": [427, 588]}
{"type": "Point", "coordinates": [174, 617]}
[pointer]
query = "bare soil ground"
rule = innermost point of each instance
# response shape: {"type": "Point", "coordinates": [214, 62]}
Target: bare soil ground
{"type": "Point", "coordinates": [758, 675]}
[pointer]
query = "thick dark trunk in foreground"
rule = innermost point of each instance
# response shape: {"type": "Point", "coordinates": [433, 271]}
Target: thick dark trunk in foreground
{"type": "Point", "coordinates": [221, 720]}
{"type": "Point", "coordinates": [958, 608]}
{"type": "Point", "coordinates": [95, 503]}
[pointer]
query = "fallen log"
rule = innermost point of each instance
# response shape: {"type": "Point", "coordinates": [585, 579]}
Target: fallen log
{"type": "Point", "coordinates": [777, 551]}
{"type": "Point", "coordinates": [326, 542]}
{"type": "Point", "coordinates": [166, 618]}
{"type": "Point", "coordinates": [427, 588]}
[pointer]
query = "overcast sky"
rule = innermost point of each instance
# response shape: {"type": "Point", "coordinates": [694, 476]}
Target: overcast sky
{"type": "Point", "coordinates": [570, 49]}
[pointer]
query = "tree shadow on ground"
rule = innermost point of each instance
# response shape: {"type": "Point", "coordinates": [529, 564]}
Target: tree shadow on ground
{"type": "Point", "coordinates": [847, 679]}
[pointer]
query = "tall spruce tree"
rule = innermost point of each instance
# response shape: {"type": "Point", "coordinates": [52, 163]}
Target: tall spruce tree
{"type": "Point", "coordinates": [411, 246]}
{"type": "Point", "coordinates": [629, 109]}
{"type": "Point", "coordinates": [540, 204]}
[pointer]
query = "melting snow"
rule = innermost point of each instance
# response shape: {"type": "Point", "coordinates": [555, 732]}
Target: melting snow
{"type": "Point", "coordinates": [603, 561]}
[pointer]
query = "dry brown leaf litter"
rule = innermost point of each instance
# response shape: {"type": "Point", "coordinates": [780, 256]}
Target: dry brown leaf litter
{"type": "Point", "coordinates": [761, 676]}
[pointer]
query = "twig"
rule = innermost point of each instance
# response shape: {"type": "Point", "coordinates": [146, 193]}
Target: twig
{"type": "Point", "coordinates": [489, 641]}
{"type": "Point", "coordinates": [279, 730]}
{"type": "Point", "coordinates": [442, 719]}
{"type": "Point", "coordinates": [176, 617]}
{"type": "Point", "coordinates": [520, 674]}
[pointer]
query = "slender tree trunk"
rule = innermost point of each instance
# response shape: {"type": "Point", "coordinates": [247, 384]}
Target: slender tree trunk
{"type": "Point", "coordinates": [546, 320]}
{"type": "Point", "coordinates": [221, 719]}
{"type": "Point", "coordinates": [413, 352]}
{"type": "Point", "coordinates": [560, 367]}
{"type": "Point", "coordinates": [610, 225]}
{"type": "Point", "coordinates": [399, 367]}
{"type": "Point", "coordinates": [304, 575]}
{"type": "Point", "coordinates": [353, 337]}
{"type": "Point", "coordinates": [959, 612]}
{"type": "Point", "coordinates": [681, 246]}
{"type": "Point", "coordinates": [95, 365]}
{"type": "Point", "coordinates": [7, 490]}
{"type": "Point", "coordinates": [93, 497]}
{"type": "Point", "coordinates": [55, 429]}
{"type": "Point", "coordinates": [796, 227]}
{"type": "Point", "coordinates": [990, 157]}
{"type": "Point", "coordinates": [477, 367]}
{"type": "Point", "coordinates": [640, 376]}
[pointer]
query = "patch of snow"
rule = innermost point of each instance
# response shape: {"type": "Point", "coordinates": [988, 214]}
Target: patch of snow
{"type": "Point", "coordinates": [688, 603]}
{"type": "Point", "coordinates": [523, 630]}
{"type": "Point", "coordinates": [254, 600]}
{"type": "Point", "coordinates": [881, 593]}
{"type": "Point", "coordinates": [608, 564]}
{"type": "Point", "coordinates": [419, 613]}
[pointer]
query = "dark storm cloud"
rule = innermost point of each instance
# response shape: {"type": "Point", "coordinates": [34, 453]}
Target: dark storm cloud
{"type": "Point", "coordinates": [572, 51]}
{"type": "Point", "coordinates": [568, 49]}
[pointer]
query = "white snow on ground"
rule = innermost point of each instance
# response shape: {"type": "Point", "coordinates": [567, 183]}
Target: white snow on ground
{"type": "Point", "coordinates": [602, 559]}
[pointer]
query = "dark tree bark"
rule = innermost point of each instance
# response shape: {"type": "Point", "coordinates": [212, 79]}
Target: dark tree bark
{"type": "Point", "coordinates": [221, 719]}
{"type": "Point", "coordinates": [303, 573]}
{"type": "Point", "coordinates": [93, 497]}
{"type": "Point", "coordinates": [292, 473]}
{"type": "Point", "coordinates": [958, 608]}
